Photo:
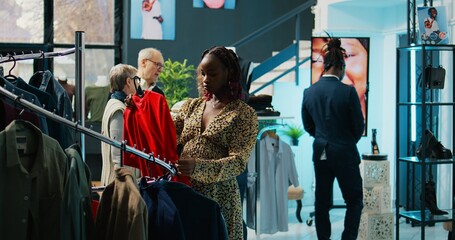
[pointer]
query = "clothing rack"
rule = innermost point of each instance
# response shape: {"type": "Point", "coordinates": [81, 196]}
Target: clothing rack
{"type": "Point", "coordinates": [17, 57]}
{"type": "Point", "coordinates": [79, 51]}
{"type": "Point", "coordinates": [86, 131]}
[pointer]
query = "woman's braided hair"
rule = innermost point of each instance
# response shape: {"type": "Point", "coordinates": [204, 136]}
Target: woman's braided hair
{"type": "Point", "coordinates": [230, 60]}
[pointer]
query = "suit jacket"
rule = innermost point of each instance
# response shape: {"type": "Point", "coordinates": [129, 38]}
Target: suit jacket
{"type": "Point", "coordinates": [331, 113]}
{"type": "Point", "coordinates": [157, 90]}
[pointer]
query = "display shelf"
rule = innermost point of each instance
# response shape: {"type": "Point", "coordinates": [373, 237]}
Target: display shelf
{"type": "Point", "coordinates": [262, 118]}
{"type": "Point", "coordinates": [421, 47]}
{"type": "Point", "coordinates": [418, 108]}
{"type": "Point", "coordinates": [433, 161]}
{"type": "Point", "coordinates": [429, 218]}
{"type": "Point", "coordinates": [426, 103]}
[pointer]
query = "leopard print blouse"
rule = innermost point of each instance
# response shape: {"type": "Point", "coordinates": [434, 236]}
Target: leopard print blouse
{"type": "Point", "coordinates": [221, 153]}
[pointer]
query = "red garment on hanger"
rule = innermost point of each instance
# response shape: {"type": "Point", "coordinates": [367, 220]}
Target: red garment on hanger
{"type": "Point", "coordinates": [148, 125]}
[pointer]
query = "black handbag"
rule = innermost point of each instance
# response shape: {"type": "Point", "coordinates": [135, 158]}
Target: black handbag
{"type": "Point", "coordinates": [435, 77]}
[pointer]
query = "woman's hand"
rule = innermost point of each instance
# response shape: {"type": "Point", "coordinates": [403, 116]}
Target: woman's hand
{"type": "Point", "coordinates": [146, 6]}
{"type": "Point", "coordinates": [129, 101]}
{"type": "Point", "coordinates": [185, 166]}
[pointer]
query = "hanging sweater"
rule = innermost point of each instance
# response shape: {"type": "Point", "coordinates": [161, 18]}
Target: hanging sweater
{"type": "Point", "coordinates": [148, 126]}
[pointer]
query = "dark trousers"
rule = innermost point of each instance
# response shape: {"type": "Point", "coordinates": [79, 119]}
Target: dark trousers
{"type": "Point", "coordinates": [350, 182]}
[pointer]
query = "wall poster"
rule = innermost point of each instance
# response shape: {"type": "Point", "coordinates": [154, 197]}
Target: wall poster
{"type": "Point", "coordinates": [357, 62]}
{"type": "Point", "coordinates": [152, 19]}
{"type": "Point", "coordinates": [433, 25]}
{"type": "Point", "coordinates": [214, 4]}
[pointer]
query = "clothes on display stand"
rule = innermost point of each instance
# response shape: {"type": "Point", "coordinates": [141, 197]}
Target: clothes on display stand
{"type": "Point", "coordinates": [177, 211]}
{"type": "Point", "coordinates": [51, 96]}
{"type": "Point", "coordinates": [45, 191]}
{"type": "Point", "coordinates": [79, 222]}
{"type": "Point", "coordinates": [10, 111]}
{"type": "Point", "coordinates": [72, 189]}
{"type": "Point", "coordinates": [277, 168]}
{"type": "Point", "coordinates": [35, 199]}
{"type": "Point", "coordinates": [122, 213]}
{"type": "Point", "coordinates": [148, 126]}
{"type": "Point", "coordinates": [45, 81]}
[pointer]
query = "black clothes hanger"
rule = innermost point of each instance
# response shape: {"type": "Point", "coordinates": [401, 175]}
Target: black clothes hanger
{"type": "Point", "coordinates": [10, 77]}
{"type": "Point", "coordinates": [18, 106]}
{"type": "Point", "coordinates": [139, 91]}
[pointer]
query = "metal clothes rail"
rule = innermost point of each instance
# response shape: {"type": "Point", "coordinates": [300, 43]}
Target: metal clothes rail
{"type": "Point", "coordinates": [79, 51]}
{"type": "Point", "coordinates": [86, 131]}
{"type": "Point", "coordinates": [26, 56]}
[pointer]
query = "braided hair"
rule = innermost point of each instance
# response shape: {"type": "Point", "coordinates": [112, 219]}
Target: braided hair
{"type": "Point", "coordinates": [231, 62]}
{"type": "Point", "coordinates": [333, 54]}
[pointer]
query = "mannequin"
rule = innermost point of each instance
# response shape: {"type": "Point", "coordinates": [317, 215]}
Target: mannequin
{"type": "Point", "coordinates": [96, 97]}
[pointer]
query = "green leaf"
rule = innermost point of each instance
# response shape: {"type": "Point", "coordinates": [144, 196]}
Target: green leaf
{"type": "Point", "coordinates": [293, 131]}
{"type": "Point", "coordinates": [176, 78]}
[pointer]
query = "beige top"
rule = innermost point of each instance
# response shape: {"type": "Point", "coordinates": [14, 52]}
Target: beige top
{"type": "Point", "coordinates": [112, 127]}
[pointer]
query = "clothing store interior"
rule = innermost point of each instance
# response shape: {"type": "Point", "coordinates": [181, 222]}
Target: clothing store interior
{"type": "Point", "coordinates": [110, 163]}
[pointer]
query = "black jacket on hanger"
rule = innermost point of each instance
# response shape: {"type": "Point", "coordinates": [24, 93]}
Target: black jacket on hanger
{"type": "Point", "coordinates": [45, 81]}
{"type": "Point", "coordinates": [11, 115]}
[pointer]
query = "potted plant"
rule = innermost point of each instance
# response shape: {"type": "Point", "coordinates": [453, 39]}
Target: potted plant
{"type": "Point", "coordinates": [177, 78]}
{"type": "Point", "coordinates": [294, 132]}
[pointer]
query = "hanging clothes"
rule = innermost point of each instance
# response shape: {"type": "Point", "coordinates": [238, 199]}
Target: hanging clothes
{"type": "Point", "coordinates": [10, 113]}
{"type": "Point", "coordinates": [45, 81]}
{"type": "Point", "coordinates": [77, 220]}
{"type": "Point", "coordinates": [122, 213]}
{"type": "Point", "coordinates": [33, 171]}
{"type": "Point", "coordinates": [190, 204]}
{"type": "Point", "coordinates": [47, 102]}
{"type": "Point", "coordinates": [277, 169]}
{"type": "Point", "coordinates": [148, 125]}
{"type": "Point", "coordinates": [12, 110]}
{"type": "Point", "coordinates": [69, 88]}
{"type": "Point", "coordinates": [176, 211]}
{"type": "Point", "coordinates": [163, 215]}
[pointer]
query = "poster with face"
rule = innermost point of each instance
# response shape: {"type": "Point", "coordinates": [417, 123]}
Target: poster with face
{"type": "Point", "coordinates": [432, 25]}
{"type": "Point", "coordinates": [357, 59]}
{"type": "Point", "coordinates": [152, 19]}
{"type": "Point", "coordinates": [214, 4]}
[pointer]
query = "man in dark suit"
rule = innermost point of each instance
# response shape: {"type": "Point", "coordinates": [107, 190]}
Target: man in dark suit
{"type": "Point", "coordinates": [331, 113]}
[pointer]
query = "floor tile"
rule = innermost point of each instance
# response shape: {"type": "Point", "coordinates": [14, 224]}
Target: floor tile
{"type": "Point", "coordinates": [301, 231]}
